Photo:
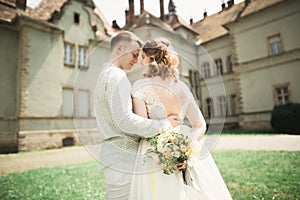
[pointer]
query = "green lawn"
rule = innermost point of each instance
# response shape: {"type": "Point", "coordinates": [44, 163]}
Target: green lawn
{"type": "Point", "coordinates": [249, 175]}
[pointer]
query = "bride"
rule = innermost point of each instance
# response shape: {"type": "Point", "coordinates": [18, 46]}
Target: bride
{"type": "Point", "coordinates": [157, 96]}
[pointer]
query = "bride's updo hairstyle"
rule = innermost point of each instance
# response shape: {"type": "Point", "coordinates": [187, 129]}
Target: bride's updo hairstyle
{"type": "Point", "coordinates": [163, 61]}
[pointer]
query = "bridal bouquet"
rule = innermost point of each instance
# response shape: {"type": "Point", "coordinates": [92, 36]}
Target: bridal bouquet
{"type": "Point", "coordinates": [171, 148]}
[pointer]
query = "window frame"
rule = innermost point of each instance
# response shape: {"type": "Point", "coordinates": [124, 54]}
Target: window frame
{"type": "Point", "coordinates": [209, 107]}
{"type": "Point", "coordinates": [217, 71]}
{"type": "Point", "coordinates": [279, 43]}
{"type": "Point", "coordinates": [206, 70]}
{"type": "Point", "coordinates": [76, 18]}
{"type": "Point", "coordinates": [88, 103]}
{"type": "Point", "coordinates": [275, 93]}
{"type": "Point", "coordinates": [62, 101]}
{"type": "Point", "coordinates": [66, 63]}
{"type": "Point", "coordinates": [229, 64]}
{"type": "Point", "coordinates": [222, 106]}
{"type": "Point", "coordinates": [233, 105]}
{"type": "Point", "coordinates": [79, 58]}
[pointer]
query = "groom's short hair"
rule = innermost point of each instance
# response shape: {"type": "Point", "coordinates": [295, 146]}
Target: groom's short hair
{"type": "Point", "coordinates": [126, 36]}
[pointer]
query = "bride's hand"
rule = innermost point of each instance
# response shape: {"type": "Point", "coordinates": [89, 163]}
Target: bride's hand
{"type": "Point", "coordinates": [181, 166]}
{"type": "Point", "coordinates": [175, 120]}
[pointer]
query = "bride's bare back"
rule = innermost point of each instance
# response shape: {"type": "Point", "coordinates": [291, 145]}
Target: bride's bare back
{"type": "Point", "coordinates": [168, 99]}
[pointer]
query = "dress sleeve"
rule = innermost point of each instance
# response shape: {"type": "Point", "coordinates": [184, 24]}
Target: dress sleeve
{"type": "Point", "coordinates": [120, 104]}
{"type": "Point", "coordinates": [138, 93]}
{"type": "Point", "coordinates": [194, 114]}
{"type": "Point", "coordinates": [138, 89]}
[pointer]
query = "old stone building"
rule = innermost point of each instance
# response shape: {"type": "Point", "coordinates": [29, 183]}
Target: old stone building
{"type": "Point", "coordinates": [42, 50]}
{"type": "Point", "coordinates": [255, 48]}
{"type": "Point", "coordinates": [239, 63]}
{"type": "Point", "coordinates": [250, 49]}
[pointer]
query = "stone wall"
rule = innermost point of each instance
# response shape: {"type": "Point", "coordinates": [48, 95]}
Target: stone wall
{"type": "Point", "coordinates": [53, 139]}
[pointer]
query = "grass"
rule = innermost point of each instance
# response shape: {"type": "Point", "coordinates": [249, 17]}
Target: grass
{"type": "Point", "coordinates": [268, 175]}
{"type": "Point", "coordinates": [77, 181]}
{"type": "Point", "coordinates": [264, 175]}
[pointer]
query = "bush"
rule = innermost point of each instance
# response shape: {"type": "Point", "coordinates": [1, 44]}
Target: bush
{"type": "Point", "coordinates": [286, 118]}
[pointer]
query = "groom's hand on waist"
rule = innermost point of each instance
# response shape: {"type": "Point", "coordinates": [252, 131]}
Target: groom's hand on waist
{"type": "Point", "coordinates": [175, 120]}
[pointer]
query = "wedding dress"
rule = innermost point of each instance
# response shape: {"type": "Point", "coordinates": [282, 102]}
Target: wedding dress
{"type": "Point", "coordinates": [149, 182]}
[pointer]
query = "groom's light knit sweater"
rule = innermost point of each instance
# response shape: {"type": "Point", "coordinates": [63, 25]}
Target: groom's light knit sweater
{"type": "Point", "coordinates": [119, 127]}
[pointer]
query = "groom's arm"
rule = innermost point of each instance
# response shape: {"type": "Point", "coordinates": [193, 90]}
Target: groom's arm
{"type": "Point", "coordinates": [120, 103]}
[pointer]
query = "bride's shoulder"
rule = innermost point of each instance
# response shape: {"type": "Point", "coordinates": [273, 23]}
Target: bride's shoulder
{"type": "Point", "coordinates": [182, 85]}
{"type": "Point", "coordinates": [140, 83]}
{"type": "Point", "coordinates": [185, 89]}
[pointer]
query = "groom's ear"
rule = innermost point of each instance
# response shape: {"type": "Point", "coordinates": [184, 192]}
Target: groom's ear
{"type": "Point", "coordinates": [119, 48]}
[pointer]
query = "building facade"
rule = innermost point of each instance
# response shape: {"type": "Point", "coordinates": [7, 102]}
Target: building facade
{"type": "Point", "coordinates": [42, 51]}
{"type": "Point", "coordinates": [239, 64]}
{"type": "Point", "coordinates": [256, 51]}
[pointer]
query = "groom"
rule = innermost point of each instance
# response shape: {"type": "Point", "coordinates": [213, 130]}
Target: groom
{"type": "Point", "coordinates": [119, 127]}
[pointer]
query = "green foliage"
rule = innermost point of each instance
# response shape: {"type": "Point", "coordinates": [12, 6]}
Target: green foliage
{"type": "Point", "coordinates": [249, 175]}
{"type": "Point", "coordinates": [286, 118]}
{"type": "Point", "coordinates": [80, 181]}
{"type": "Point", "coordinates": [263, 175]}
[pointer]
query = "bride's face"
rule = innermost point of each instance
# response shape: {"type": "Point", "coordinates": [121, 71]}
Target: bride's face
{"type": "Point", "coordinates": [145, 59]}
{"type": "Point", "coordinates": [145, 62]}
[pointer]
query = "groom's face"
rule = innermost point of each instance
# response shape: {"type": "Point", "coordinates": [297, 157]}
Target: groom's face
{"type": "Point", "coordinates": [129, 55]}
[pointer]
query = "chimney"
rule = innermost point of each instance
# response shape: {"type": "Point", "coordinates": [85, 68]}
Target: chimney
{"type": "Point", "coordinates": [21, 4]}
{"type": "Point", "coordinates": [115, 25]}
{"type": "Point", "coordinates": [223, 6]}
{"type": "Point", "coordinates": [127, 16]}
{"type": "Point", "coordinates": [204, 14]}
{"type": "Point", "coordinates": [230, 3]}
{"type": "Point", "coordinates": [172, 8]}
{"type": "Point", "coordinates": [131, 8]}
{"type": "Point", "coordinates": [191, 21]}
{"type": "Point", "coordinates": [141, 6]}
{"type": "Point", "coordinates": [130, 13]}
{"type": "Point", "coordinates": [162, 10]}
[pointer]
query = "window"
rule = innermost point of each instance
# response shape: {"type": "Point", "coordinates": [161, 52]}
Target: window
{"type": "Point", "coordinates": [233, 104]}
{"type": "Point", "coordinates": [67, 102]}
{"type": "Point", "coordinates": [194, 79]}
{"type": "Point", "coordinates": [76, 18]}
{"type": "Point", "coordinates": [197, 84]}
{"type": "Point", "coordinates": [206, 70]}
{"type": "Point", "coordinates": [222, 106]}
{"type": "Point", "coordinates": [275, 45]}
{"type": "Point", "coordinates": [82, 103]}
{"type": "Point", "coordinates": [282, 94]}
{"type": "Point", "coordinates": [209, 107]}
{"type": "Point", "coordinates": [219, 67]}
{"type": "Point", "coordinates": [191, 78]}
{"type": "Point", "coordinates": [82, 57]}
{"type": "Point", "coordinates": [69, 53]}
{"type": "Point", "coordinates": [229, 64]}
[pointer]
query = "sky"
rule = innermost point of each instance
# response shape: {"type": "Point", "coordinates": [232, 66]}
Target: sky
{"type": "Point", "coordinates": [115, 9]}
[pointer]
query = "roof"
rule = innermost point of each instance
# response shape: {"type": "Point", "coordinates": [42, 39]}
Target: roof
{"type": "Point", "coordinates": [8, 12]}
{"type": "Point", "coordinates": [108, 28]}
{"type": "Point", "coordinates": [178, 22]}
{"type": "Point", "coordinates": [211, 27]}
{"type": "Point", "coordinates": [258, 5]}
{"type": "Point", "coordinates": [9, 2]}
{"type": "Point", "coordinates": [44, 11]}
{"type": "Point", "coordinates": [143, 20]}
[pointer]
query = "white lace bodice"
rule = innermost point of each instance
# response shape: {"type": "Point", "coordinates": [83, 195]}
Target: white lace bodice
{"type": "Point", "coordinates": [155, 108]}
{"type": "Point", "coordinates": [145, 90]}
